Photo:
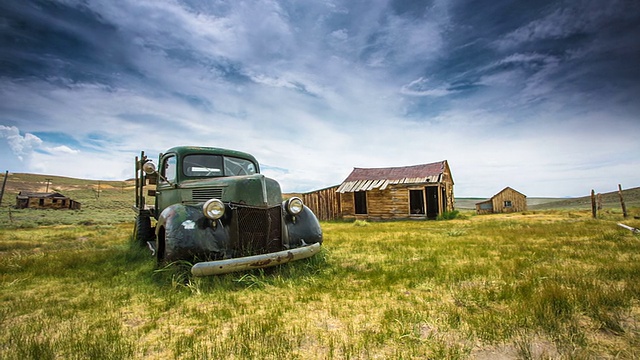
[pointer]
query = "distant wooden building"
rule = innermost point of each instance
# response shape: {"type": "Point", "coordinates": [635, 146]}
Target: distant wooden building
{"type": "Point", "coordinates": [410, 192]}
{"type": "Point", "coordinates": [506, 201]}
{"type": "Point", "coordinates": [36, 200]}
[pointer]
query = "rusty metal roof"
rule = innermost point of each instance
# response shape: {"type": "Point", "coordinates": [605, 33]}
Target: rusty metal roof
{"type": "Point", "coordinates": [365, 179]}
{"type": "Point", "coordinates": [29, 194]}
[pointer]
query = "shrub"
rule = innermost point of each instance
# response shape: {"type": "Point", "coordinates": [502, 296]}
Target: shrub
{"type": "Point", "coordinates": [448, 215]}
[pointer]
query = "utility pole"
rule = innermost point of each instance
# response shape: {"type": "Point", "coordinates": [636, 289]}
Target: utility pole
{"type": "Point", "coordinates": [48, 182]}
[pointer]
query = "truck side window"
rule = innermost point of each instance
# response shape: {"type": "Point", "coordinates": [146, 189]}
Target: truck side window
{"type": "Point", "coordinates": [169, 170]}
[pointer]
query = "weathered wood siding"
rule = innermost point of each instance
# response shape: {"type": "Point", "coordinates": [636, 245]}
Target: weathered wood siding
{"type": "Point", "coordinates": [49, 203]}
{"type": "Point", "coordinates": [518, 201]}
{"type": "Point", "coordinates": [485, 207]}
{"type": "Point", "coordinates": [392, 203]}
{"type": "Point", "coordinates": [324, 203]}
{"type": "Point", "coordinates": [497, 204]}
{"type": "Point", "coordinates": [390, 192]}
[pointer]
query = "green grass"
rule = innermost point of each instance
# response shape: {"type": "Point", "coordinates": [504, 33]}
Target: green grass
{"type": "Point", "coordinates": [554, 284]}
{"type": "Point", "coordinates": [111, 204]}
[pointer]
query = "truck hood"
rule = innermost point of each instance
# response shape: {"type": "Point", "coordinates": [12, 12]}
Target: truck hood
{"type": "Point", "coordinates": [251, 190]}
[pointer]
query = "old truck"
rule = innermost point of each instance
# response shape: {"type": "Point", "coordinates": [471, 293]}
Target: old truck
{"type": "Point", "coordinates": [213, 208]}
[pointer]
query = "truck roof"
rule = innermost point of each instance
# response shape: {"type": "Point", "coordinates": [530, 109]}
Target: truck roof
{"type": "Point", "coordinates": [185, 150]}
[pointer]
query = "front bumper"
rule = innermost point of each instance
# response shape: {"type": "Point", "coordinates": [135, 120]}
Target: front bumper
{"type": "Point", "coordinates": [220, 267]}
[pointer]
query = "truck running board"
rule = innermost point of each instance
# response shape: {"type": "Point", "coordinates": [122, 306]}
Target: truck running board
{"type": "Point", "coordinates": [220, 267]}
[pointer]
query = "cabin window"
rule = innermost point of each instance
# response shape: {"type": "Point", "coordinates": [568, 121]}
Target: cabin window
{"type": "Point", "coordinates": [169, 170]}
{"type": "Point", "coordinates": [507, 203]}
{"type": "Point", "coordinates": [41, 202]}
{"type": "Point", "coordinates": [416, 202]}
{"type": "Point", "coordinates": [54, 200]}
{"type": "Point", "coordinates": [64, 202]}
{"type": "Point", "coordinates": [360, 200]}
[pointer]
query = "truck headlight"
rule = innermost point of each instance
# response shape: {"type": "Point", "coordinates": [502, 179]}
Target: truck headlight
{"type": "Point", "coordinates": [213, 209]}
{"type": "Point", "coordinates": [149, 168]}
{"type": "Point", "coordinates": [294, 206]}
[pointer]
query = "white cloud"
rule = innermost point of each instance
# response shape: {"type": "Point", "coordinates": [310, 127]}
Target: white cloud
{"type": "Point", "coordinates": [62, 149]}
{"type": "Point", "coordinates": [22, 146]}
{"type": "Point", "coordinates": [421, 87]}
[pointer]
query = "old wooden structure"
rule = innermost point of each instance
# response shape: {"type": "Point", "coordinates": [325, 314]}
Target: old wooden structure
{"type": "Point", "coordinates": [325, 203]}
{"type": "Point", "coordinates": [46, 200]}
{"type": "Point", "coordinates": [506, 201]}
{"type": "Point", "coordinates": [410, 192]}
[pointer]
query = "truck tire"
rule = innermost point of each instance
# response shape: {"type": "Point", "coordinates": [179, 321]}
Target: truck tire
{"type": "Point", "coordinates": [142, 231]}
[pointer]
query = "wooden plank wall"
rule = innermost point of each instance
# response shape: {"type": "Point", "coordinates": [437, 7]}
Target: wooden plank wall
{"type": "Point", "coordinates": [518, 201]}
{"type": "Point", "coordinates": [324, 203]}
{"type": "Point", "coordinates": [47, 203]}
{"type": "Point", "coordinates": [389, 204]}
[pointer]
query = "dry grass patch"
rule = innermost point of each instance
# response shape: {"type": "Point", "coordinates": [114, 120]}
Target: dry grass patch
{"type": "Point", "coordinates": [550, 286]}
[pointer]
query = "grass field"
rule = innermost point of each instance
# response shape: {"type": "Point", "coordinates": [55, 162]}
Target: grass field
{"type": "Point", "coordinates": [533, 285]}
{"type": "Point", "coordinates": [550, 284]}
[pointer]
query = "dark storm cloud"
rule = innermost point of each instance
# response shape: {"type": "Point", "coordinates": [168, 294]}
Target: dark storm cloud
{"type": "Point", "coordinates": [552, 50]}
{"type": "Point", "coordinates": [319, 87]}
{"type": "Point", "coordinates": [52, 41]}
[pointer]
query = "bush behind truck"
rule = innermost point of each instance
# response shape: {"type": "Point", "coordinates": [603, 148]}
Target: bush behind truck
{"type": "Point", "coordinates": [214, 208]}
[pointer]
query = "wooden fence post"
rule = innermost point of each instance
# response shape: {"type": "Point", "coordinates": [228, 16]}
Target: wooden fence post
{"type": "Point", "coordinates": [624, 208]}
{"type": "Point", "coordinates": [594, 209]}
{"type": "Point", "coordinates": [4, 182]}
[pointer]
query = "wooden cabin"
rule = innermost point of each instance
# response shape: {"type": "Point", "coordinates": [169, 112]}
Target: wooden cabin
{"type": "Point", "coordinates": [410, 192]}
{"type": "Point", "coordinates": [506, 201]}
{"type": "Point", "coordinates": [36, 200]}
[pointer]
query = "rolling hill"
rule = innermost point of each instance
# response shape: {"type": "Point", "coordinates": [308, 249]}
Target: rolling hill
{"type": "Point", "coordinates": [87, 191]}
{"type": "Point", "coordinates": [609, 200]}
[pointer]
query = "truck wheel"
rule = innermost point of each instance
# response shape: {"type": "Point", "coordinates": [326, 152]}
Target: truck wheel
{"type": "Point", "coordinates": [142, 231]}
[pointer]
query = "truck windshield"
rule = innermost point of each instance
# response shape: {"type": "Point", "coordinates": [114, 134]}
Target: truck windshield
{"type": "Point", "coordinates": [205, 165]}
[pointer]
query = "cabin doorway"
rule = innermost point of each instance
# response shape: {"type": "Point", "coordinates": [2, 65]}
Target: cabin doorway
{"type": "Point", "coordinates": [432, 202]}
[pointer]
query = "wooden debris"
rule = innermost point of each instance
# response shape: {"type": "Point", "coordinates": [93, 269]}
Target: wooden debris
{"type": "Point", "coordinates": [632, 229]}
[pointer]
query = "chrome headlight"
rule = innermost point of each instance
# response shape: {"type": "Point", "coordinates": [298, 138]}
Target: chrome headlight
{"type": "Point", "coordinates": [149, 168]}
{"type": "Point", "coordinates": [294, 206]}
{"type": "Point", "coordinates": [213, 209]}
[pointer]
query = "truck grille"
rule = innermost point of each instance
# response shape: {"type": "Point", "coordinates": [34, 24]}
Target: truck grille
{"type": "Point", "coordinates": [206, 194]}
{"type": "Point", "coordinates": [259, 230]}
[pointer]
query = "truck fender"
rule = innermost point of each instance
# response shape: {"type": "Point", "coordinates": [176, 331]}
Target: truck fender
{"type": "Point", "coordinates": [303, 229]}
{"type": "Point", "coordinates": [183, 232]}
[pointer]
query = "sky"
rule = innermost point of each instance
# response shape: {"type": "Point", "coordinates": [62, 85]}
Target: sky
{"type": "Point", "coordinates": [541, 96]}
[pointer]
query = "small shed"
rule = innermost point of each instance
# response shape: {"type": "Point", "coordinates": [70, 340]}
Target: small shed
{"type": "Point", "coordinates": [410, 192]}
{"type": "Point", "coordinates": [506, 201]}
{"type": "Point", "coordinates": [47, 200]}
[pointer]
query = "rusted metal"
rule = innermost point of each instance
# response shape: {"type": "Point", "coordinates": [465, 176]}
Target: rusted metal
{"type": "Point", "coordinates": [226, 266]}
{"type": "Point", "coordinates": [366, 179]}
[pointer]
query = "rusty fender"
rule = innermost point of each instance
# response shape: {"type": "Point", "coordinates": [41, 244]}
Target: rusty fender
{"type": "Point", "coordinates": [220, 267]}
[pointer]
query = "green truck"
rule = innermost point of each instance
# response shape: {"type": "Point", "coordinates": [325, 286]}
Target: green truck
{"type": "Point", "coordinates": [215, 209]}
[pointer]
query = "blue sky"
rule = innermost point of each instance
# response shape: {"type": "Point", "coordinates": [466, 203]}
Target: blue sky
{"type": "Point", "coordinates": [541, 96]}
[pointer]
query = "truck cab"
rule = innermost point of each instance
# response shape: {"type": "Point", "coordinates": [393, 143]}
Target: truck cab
{"type": "Point", "coordinates": [214, 208]}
